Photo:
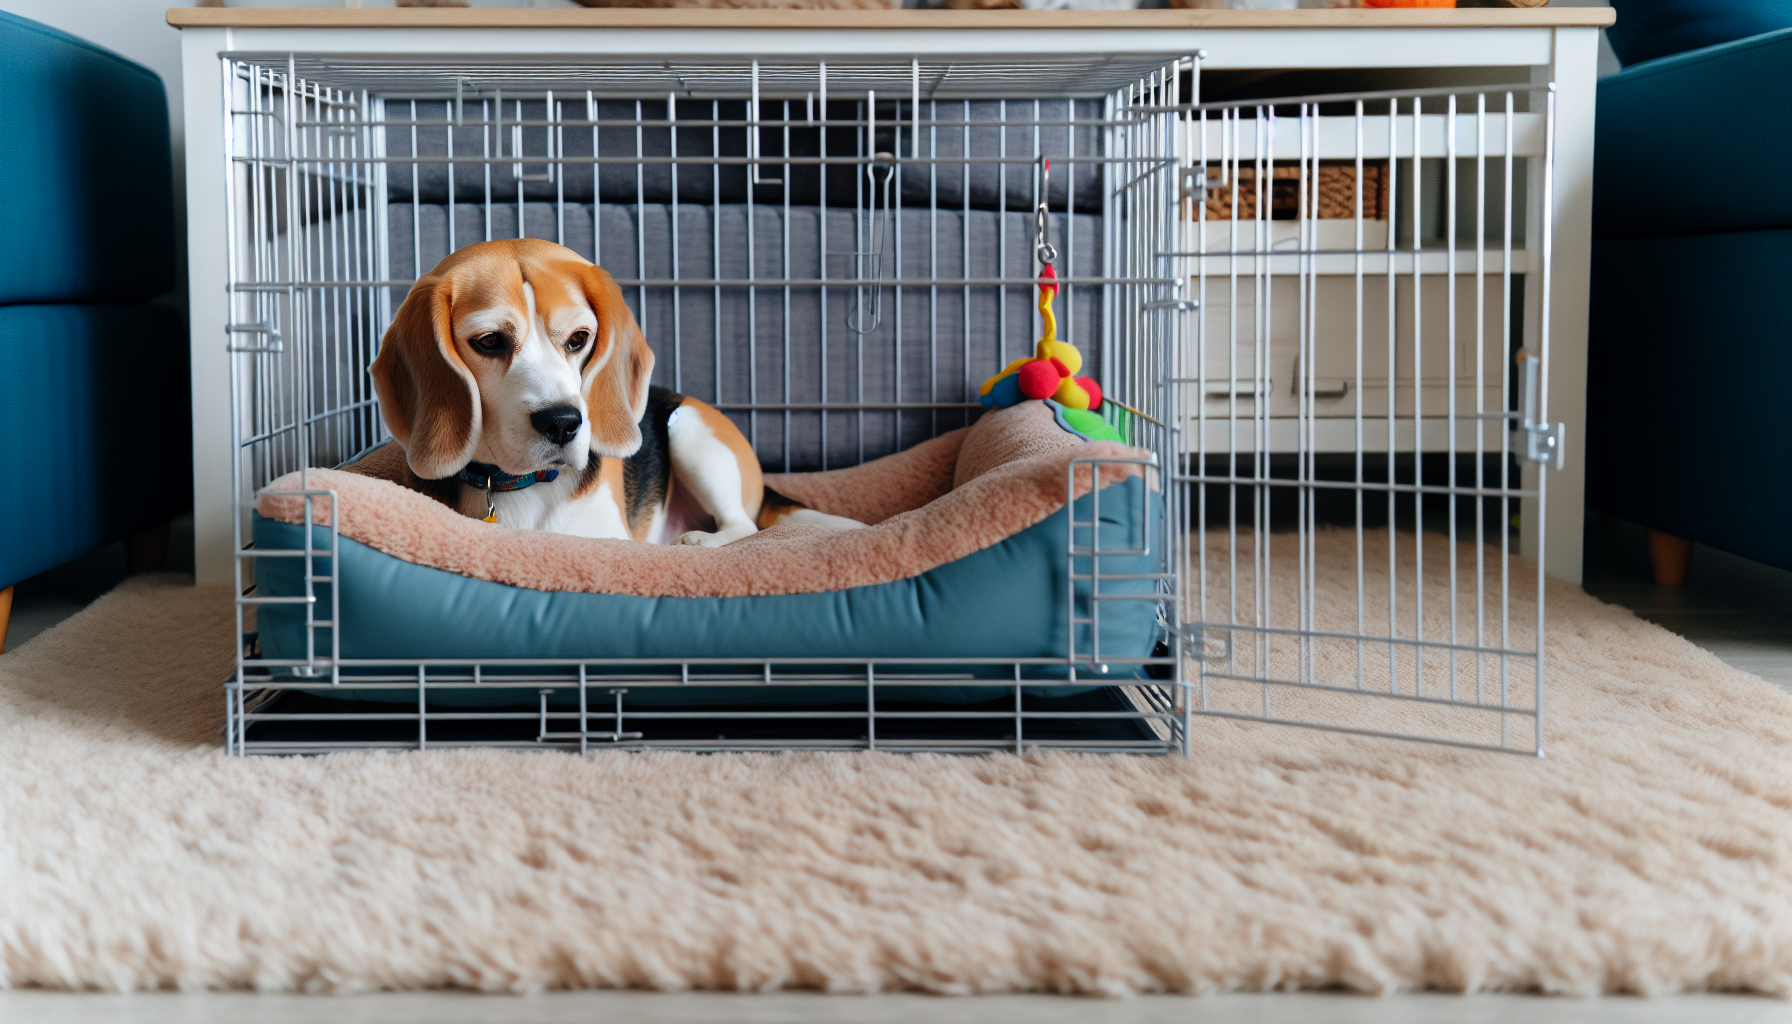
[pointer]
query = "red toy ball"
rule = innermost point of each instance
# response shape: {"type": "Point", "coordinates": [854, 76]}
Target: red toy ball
{"type": "Point", "coordinates": [1038, 379]}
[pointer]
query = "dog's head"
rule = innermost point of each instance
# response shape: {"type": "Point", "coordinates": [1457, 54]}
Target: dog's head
{"type": "Point", "coordinates": [518, 353]}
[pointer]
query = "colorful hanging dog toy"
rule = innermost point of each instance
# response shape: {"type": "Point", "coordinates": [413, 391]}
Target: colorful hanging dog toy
{"type": "Point", "coordinates": [1051, 371]}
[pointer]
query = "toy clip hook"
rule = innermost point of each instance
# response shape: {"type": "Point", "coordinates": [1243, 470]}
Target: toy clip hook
{"type": "Point", "coordinates": [1043, 250]}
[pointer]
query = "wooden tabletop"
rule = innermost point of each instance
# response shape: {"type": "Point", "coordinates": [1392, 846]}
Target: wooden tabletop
{"type": "Point", "coordinates": [693, 17]}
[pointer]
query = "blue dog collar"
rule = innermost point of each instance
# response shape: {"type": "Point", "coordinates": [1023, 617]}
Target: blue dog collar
{"type": "Point", "coordinates": [486, 476]}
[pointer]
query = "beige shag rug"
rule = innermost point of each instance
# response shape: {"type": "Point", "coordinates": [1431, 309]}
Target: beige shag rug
{"type": "Point", "coordinates": [1650, 852]}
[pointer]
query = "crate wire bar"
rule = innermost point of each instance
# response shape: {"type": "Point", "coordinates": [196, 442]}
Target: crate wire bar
{"type": "Point", "coordinates": [837, 253]}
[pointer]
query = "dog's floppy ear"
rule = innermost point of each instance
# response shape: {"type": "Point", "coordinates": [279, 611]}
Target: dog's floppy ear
{"type": "Point", "coordinates": [428, 397]}
{"type": "Point", "coordinates": [618, 371]}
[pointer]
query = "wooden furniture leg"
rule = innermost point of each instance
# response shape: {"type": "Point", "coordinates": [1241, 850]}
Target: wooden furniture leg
{"type": "Point", "coordinates": [1669, 556]}
{"type": "Point", "coordinates": [147, 551]}
{"type": "Point", "coordinates": [5, 615]}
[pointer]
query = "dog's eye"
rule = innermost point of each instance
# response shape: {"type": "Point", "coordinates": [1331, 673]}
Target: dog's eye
{"type": "Point", "coordinates": [489, 344]}
{"type": "Point", "coordinates": [577, 341]}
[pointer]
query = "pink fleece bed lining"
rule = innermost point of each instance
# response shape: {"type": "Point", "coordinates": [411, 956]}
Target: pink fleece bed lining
{"type": "Point", "coordinates": [932, 504]}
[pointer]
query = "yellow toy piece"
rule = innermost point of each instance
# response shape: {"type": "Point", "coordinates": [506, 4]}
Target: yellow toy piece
{"type": "Point", "coordinates": [1071, 395]}
{"type": "Point", "coordinates": [1049, 346]}
{"type": "Point", "coordinates": [1063, 351]}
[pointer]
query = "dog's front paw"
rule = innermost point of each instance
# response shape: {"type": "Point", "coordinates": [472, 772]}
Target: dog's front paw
{"type": "Point", "coordinates": [728, 534]}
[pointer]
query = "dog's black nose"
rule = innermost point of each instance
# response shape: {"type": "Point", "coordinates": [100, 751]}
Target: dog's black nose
{"type": "Point", "coordinates": [559, 424]}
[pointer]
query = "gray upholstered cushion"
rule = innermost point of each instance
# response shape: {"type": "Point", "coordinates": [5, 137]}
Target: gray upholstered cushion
{"type": "Point", "coordinates": [943, 184]}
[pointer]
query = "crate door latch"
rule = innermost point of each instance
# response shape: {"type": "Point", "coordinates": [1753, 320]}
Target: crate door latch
{"type": "Point", "coordinates": [1543, 442]}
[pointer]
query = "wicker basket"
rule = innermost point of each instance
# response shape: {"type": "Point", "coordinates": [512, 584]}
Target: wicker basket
{"type": "Point", "coordinates": [1337, 191]}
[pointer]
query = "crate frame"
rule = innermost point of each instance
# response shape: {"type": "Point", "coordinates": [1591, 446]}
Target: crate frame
{"type": "Point", "coordinates": [273, 314]}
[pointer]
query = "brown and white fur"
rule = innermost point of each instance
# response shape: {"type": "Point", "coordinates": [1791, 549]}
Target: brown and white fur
{"type": "Point", "coordinates": [523, 355]}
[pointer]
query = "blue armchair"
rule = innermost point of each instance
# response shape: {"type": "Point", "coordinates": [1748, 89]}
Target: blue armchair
{"type": "Point", "coordinates": [1689, 406]}
{"type": "Point", "coordinates": [95, 435]}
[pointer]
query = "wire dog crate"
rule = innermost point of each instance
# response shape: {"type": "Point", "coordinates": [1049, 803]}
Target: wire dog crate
{"type": "Point", "coordinates": [836, 253]}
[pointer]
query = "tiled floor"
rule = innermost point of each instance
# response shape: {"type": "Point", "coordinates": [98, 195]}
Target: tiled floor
{"type": "Point", "coordinates": [49, 597]}
{"type": "Point", "coordinates": [1739, 610]}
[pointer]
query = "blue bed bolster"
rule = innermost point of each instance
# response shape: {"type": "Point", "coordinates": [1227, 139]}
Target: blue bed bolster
{"type": "Point", "coordinates": [1010, 600]}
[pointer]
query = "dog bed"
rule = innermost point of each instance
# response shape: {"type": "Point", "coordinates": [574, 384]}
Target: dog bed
{"type": "Point", "coordinates": [964, 557]}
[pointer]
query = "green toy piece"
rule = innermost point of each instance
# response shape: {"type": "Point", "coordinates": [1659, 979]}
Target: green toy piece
{"type": "Point", "coordinates": [1090, 426]}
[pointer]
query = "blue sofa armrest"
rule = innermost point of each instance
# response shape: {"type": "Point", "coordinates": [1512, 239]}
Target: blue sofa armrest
{"type": "Point", "coordinates": [86, 172]}
{"type": "Point", "coordinates": [1699, 141]}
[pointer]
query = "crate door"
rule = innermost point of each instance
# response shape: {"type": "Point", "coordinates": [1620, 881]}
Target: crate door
{"type": "Point", "coordinates": [1359, 388]}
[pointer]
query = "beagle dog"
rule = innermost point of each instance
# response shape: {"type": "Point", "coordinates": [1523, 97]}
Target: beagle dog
{"type": "Point", "coordinates": [516, 380]}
